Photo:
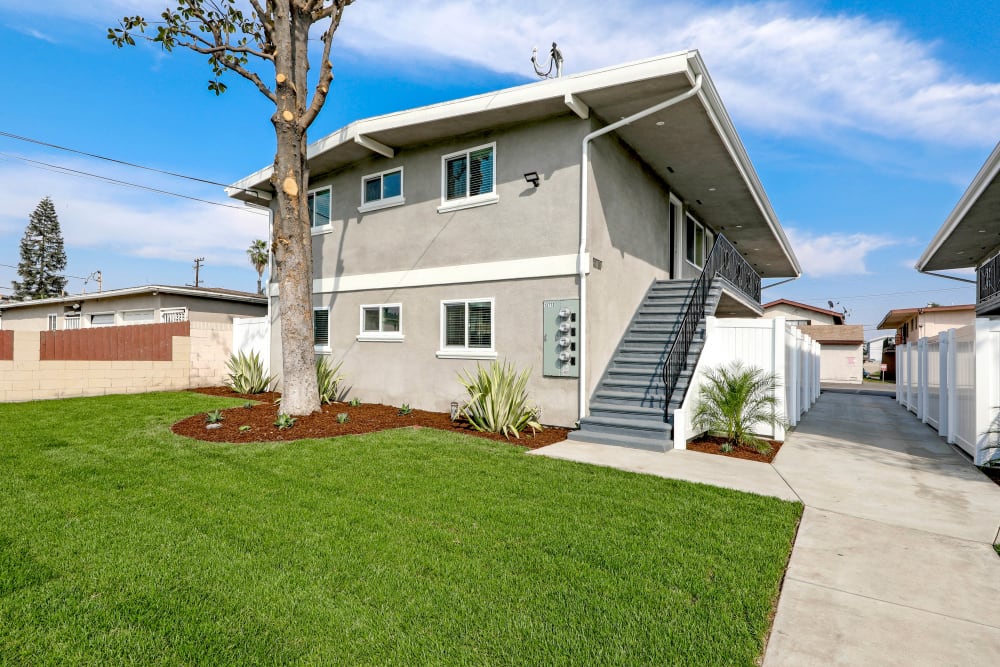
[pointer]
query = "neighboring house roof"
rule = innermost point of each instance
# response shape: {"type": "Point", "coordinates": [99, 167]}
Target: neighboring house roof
{"type": "Point", "coordinates": [895, 318]}
{"type": "Point", "coordinates": [835, 334]}
{"type": "Point", "coordinates": [838, 318]}
{"type": "Point", "coordinates": [691, 145]}
{"type": "Point", "coordinates": [972, 230]}
{"type": "Point", "coordinates": [203, 292]}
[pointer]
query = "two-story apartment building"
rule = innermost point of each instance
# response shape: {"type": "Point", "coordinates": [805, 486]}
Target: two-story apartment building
{"type": "Point", "coordinates": [529, 224]}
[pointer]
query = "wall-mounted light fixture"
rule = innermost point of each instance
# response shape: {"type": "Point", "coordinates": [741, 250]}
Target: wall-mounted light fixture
{"type": "Point", "coordinates": [532, 177]}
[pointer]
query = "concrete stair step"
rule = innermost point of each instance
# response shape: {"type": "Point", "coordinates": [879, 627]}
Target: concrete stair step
{"type": "Point", "coordinates": [622, 410]}
{"type": "Point", "coordinates": [630, 442]}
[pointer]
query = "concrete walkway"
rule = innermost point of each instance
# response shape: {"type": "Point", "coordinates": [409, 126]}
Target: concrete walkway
{"type": "Point", "coordinates": [893, 563]}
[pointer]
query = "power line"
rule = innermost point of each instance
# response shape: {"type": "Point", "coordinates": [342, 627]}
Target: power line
{"type": "Point", "coordinates": [872, 296]}
{"type": "Point", "coordinates": [111, 159]}
{"type": "Point", "coordinates": [60, 169]}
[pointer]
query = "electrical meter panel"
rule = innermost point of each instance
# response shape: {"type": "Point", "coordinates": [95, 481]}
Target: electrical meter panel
{"type": "Point", "coordinates": [560, 338]}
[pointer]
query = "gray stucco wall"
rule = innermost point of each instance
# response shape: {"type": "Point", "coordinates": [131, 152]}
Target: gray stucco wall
{"type": "Point", "coordinates": [411, 372]}
{"type": "Point", "coordinates": [527, 221]}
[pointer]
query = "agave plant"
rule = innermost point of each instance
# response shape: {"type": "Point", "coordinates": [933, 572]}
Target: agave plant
{"type": "Point", "coordinates": [498, 400]}
{"type": "Point", "coordinates": [732, 400]}
{"type": "Point", "coordinates": [328, 378]}
{"type": "Point", "coordinates": [246, 374]}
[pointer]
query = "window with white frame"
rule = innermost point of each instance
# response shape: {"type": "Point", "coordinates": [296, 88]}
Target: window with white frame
{"type": "Point", "coordinates": [698, 241]}
{"type": "Point", "coordinates": [382, 322]}
{"type": "Point", "coordinates": [137, 316]}
{"type": "Point", "coordinates": [318, 202]}
{"type": "Point", "coordinates": [168, 315]}
{"type": "Point", "coordinates": [382, 190]}
{"type": "Point", "coordinates": [53, 322]}
{"type": "Point", "coordinates": [102, 320]}
{"type": "Point", "coordinates": [71, 321]}
{"type": "Point", "coordinates": [469, 178]}
{"type": "Point", "coordinates": [321, 329]}
{"type": "Point", "coordinates": [467, 328]}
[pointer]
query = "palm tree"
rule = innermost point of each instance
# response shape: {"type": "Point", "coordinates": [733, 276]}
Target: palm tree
{"type": "Point", "coordinates": [257, 252]}
{"type": "Point", "coordinates": [733, 399]}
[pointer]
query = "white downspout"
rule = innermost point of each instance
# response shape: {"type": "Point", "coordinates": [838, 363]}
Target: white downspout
{"type": "Point", "coordinates": [581, 265]}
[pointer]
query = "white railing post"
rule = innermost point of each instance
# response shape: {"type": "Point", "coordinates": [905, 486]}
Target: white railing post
{"type": "Point", "coordinates": [778, 366]}
{"type": "Point", "coordinates": [922, 380]}
{"type": "Point", "coordinates": [952, 380]}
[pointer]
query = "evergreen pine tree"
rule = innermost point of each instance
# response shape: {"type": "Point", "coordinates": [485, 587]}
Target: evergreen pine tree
{"type": "Point", "coordinates": [42, 256]}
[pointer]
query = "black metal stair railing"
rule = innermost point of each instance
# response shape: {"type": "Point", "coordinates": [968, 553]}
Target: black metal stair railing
{"type": "Point", "coordinates": [725, 260]}
{"type": "Point", "coordinates": [988, 283]}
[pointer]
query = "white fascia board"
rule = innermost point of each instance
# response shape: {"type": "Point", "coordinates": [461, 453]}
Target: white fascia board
{"type": "Point", "coordinates": [659, 66]}
{"type": "Point", "coordinates": [514, 269]}
{"type": "Point", "coordinates": [709, 97]}
{"type": "Point", "coordinates": [989, 172]}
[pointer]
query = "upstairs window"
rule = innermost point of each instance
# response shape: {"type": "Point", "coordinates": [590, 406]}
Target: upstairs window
{"type": "Point", "coordinates": [318, 202]}
{"type": "Point", "coordinates": [382, 190]}
{"type": "Point", "coordinates": [469, 178]}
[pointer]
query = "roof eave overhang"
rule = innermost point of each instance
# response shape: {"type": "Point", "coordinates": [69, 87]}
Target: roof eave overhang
{"type": "Point", "coordinates": [579, 94]}
{"type": "Point", "coordinates": [135, 291]}
{"type": "Point", "coordinates": [958, 223]}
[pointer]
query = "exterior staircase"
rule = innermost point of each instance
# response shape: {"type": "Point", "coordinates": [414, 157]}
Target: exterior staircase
{"type": "Point", "coordinates": [629, 406]}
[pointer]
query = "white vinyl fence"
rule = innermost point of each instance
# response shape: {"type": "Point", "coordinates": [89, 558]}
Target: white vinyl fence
{"type": "Point", "coordinates": [767, 344]}
{"type": "Point", "coordinates": [253, 334]}
{"type": "Point", "coordinates": [952, 382]}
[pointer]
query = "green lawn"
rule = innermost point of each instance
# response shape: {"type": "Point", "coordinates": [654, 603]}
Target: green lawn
{"type": "Point", "coordinates": [123, 543]}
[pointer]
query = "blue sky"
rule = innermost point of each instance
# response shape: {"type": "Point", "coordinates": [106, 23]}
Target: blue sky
{"type": "Point", "coordinates": [865, 121]}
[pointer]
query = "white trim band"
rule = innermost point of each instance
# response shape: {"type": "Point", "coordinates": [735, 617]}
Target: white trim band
{"type": "Point", "coordinates": [513, 269]}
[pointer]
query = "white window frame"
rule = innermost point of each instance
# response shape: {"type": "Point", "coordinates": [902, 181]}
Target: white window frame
{"type": "Point", "coordinates": [467, 201]}
{"type": "Point", "coordinates": [90, 320]}
{"type": "Point", "coordinates": [466, 352]}
{"type": "Point", "coordinates": [52, 322]}
{"type": "Point", "coordinates": [322, 349]}
{"type": "Point", "coordinates": [383, 202]}
{"type": "Point", "coordinates": [151, 311]}
{"type": "Point", "coordinates": [72, 316]}
{"type": "Point", "coordinates": [705, 249]}
{"type": "Point", "coordinates": [380, 336]}
{"type": "Point", "coordinates": [170, 311]}
{"type": "Point", "coordinates": [328, 227]}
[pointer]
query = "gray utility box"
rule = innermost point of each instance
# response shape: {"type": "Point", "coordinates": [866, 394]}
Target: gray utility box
{"type": "Point", "coordinates": [560, 338]}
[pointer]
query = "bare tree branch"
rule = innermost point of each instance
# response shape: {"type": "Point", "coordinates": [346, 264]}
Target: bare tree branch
{"type": "Point", "coordinates": [325, 67]}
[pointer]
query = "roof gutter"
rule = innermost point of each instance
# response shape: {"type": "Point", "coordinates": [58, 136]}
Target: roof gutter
{"type": "Point", "coordinates": [584, 195]}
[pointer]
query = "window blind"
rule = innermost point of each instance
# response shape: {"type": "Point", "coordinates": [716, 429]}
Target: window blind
{"type": "Point", "coordinates": [480, 325]}
{"type": "Point", "coordinates": [481, 172]}
{"type": "Point", "coordinates": [456, 173]}
{"type": "Point", "coordinates": [321, 327]}
{"type": "Point", "coordinates": [454, 324]}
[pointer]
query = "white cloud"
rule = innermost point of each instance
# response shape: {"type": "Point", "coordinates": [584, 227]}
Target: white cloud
{"type": "Point", "coordinates": [777, 67]}
{"type": "Point", "coordinates": [98, 215]}
{"type": "Point", "coordinates": [835, 254]}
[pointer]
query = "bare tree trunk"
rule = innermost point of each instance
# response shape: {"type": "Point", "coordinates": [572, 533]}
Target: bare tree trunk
{"type": "Point", "coordinates": [292, 245]}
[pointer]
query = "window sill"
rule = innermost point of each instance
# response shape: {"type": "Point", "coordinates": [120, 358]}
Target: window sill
{"type": "Point", "coordinates": [322, 349]}
{"type": "Point", "coordinates": [381, 204]}
{"type": "Point", "coordinates": [472, 202]}
{"type": "Point", "coordinates": [466, 354]}
{"type": "Point", "coordinates": [322, 229]}
{"type": "Point", "coordinates": [380, 338]}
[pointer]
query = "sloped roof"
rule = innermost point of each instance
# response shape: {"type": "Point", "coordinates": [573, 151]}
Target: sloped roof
{"type": "Point", "coordinates": [692, 145]}
{"type": "Point", "coordinates": [838, 318]}
{"type": "Point", "coordinates": [894, 318]}
{"type": "Point", "coordinates": [835, 334]}
{"type": "Point", "coordinates": [218, 293]}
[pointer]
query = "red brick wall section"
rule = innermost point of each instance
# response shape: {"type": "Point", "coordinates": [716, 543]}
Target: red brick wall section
{"type": "Point", "coordinates": [6, 345]}
{"type": "Point", "coordinates": [139, 342]}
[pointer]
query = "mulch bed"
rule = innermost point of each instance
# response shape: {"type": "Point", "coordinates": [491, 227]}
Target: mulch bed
{"type": "Point", "coordinates": [993, 474]}
{"type": "Point", "coordinates": [709, 444]}
{"type": "Point", "coordinates": [365, 418]}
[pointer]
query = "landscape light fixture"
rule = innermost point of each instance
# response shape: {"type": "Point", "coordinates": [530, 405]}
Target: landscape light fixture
{"type": "Point", "coordinates": [532, 177]}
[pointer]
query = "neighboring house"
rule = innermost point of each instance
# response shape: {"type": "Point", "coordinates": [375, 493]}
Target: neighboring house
{"type": "Point", "coordinates": [877, 346]}
{"type": "Point", "coordinates": [801, 314]}
{"type": "Point", "coordinates": [451, 235]}
{"type": "Point", "coordinates": [841, 353]}
{"type": "Point", "coordinates": [951, 379]}
{"type": "Point", "coordinates": [86, 344]}
{"type": "Point", "coordinates": [912, 324]}
{"type": "Point", "coordinates": [148, 304]}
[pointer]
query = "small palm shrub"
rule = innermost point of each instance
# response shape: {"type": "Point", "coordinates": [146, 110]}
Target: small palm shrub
{"type": "Point", "coordinates": [732, 400]}
{"type": "Point", "coordinates": [498, 400]}
{"type": "Point", "coordinates": [328, 378]}
{"type": "Point", "coordinates": [246, 374]}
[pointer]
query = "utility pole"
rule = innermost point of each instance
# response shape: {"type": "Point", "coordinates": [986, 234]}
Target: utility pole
{"type": "Point", "coordinates": [197, 268]}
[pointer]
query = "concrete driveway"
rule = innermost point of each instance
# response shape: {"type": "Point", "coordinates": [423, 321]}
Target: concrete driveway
{"type": "Point", "coordinates": [893, 563]}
